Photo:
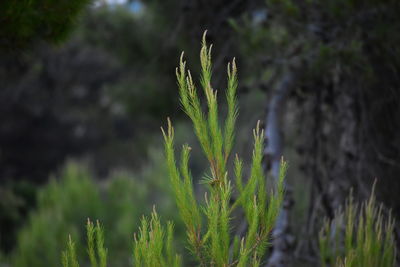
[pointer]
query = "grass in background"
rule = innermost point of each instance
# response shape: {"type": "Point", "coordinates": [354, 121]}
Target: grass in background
{"type": "Point", "coordinates": [359, 236]}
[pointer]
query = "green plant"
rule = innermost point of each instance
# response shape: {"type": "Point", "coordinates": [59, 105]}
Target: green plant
{"type": "Point", "coordinates": [209, 225]}
{"type": "Point", "coordinates": [152, 247]}
{"type": "Point", "coordinates": [74, 195]}
{"type": "Point", "coordinates": [69, 256]}
{"type": "Point", "coordinates": [359, 236]}
{"type": "Point", "coordinates": [62, 205]}
{"type": "Point", "coordinates": [211, 243]}
{"type": "Point", "coordinates": [27, 21]}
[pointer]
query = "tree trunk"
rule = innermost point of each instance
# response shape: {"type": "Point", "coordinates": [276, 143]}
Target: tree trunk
{"type": "Point", "coordinates": [282, 239]}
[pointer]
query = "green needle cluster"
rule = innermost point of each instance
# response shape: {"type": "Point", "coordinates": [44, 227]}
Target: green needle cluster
{"type": "Point", "coordinates": [209, 226]}
{"type": "Point", "coordinates": [154, 246]}
{"type": "Point", "coordinates": [359, 236]}
{"type": "Point", "coordinates": [95, 244]}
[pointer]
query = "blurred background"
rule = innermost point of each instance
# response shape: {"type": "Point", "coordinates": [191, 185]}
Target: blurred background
{"type": "Point", "coordinates": [85, 86]}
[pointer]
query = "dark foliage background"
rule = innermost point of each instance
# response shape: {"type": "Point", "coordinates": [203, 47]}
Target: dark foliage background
{"type": "Point", "coordinates": [93, 81]}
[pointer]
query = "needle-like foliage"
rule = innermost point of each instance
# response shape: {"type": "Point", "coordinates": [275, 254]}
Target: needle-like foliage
{"type": "Point", "coordinates": [69, 255]}
{"type": "Point", "coordinates": [96, 250]}
{"type": "Point", "coordinates": [208, 226]}
{"type": "Point", "coordinates": [211, 241]}
{"type": "Point", "coordinates": [153, 246]}
{"type": "Point", "coordinates": [95, 240]}
{"type": "Point", "coordinates": [359, 236]}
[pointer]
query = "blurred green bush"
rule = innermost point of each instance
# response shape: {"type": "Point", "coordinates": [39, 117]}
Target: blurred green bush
{"type": "Point", "coordinates": [69, 200]}
{"type": "Point", "coordinates": [27, 21]}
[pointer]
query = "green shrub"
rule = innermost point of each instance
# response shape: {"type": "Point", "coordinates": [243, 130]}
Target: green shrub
{"type": "Point", "coordinates": [359, 236]}
{"type": "Point", "coordinates": [62, 206]}
{"type": "Point", "coordinates": [66, 203]}
{"type": "Point", "coordinates": [27, 21]}
{"type": "Point", "coordinates": [209, 226]}
{"type": "Point", "coordinates": [211, 243]}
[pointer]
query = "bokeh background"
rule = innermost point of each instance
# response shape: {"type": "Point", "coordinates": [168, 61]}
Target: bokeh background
{"type": "Point", "coordinates": [85, 86]}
